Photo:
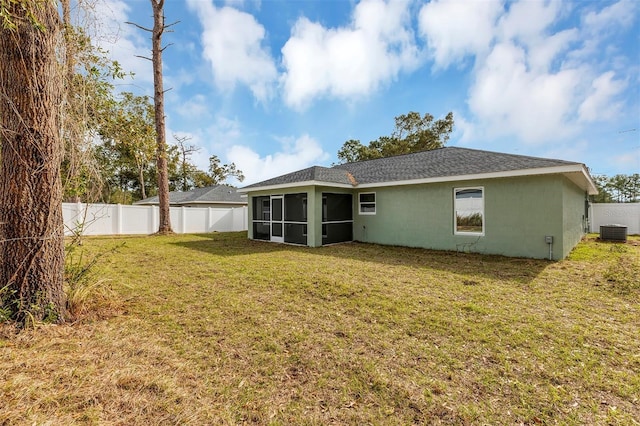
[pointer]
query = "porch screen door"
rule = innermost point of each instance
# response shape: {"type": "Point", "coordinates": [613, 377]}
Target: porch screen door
{"type": "Point", "coordinates": [277, 219]}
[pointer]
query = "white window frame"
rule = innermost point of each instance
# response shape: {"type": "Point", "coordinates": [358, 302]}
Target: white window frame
{"type": "Point", "coordinates": [375, 203]}
{"type": "Point", "coordinates": [455, 211]}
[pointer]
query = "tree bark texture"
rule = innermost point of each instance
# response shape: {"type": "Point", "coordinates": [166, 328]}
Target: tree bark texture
{"type": "Point", "coordinates": [31, 225]}
{"type": "Point", "coordinates": [158, 100]}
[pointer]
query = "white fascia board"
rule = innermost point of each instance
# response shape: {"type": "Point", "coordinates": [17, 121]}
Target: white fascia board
{"type": "Point", "coordinates": [294, 185]}
{"type": "Point", "coordinates": [584, 181]}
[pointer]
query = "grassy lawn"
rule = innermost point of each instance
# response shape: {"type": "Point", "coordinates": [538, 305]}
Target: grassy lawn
{"type": "Point", "coordinates": [216, 329]}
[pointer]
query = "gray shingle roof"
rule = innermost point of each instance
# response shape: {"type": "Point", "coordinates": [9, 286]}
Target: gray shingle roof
{"type": "Point", "coordinates": [442, 162]}
{"type": "Point", "coordinates": [314, 173]}
{"type": "Point", "coordinates": [209, 195]}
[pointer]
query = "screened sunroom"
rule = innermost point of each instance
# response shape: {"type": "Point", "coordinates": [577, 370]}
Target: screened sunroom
{"type": "Point", "coordinates": [288, 218]}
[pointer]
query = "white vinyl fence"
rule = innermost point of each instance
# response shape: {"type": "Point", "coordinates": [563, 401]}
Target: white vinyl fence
{"type": "Point", "coordinates": [627, 214]}
{"type": "Point", "coordinates": [117, 219]}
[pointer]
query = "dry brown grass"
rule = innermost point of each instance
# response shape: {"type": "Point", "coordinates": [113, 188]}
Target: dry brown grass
{"type": "Point", "coordinates": [215, 329]}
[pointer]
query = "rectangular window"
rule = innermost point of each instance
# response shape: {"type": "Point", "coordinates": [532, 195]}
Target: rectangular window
{"type": "Point", "coordinates": [367, 203]}
{"type": "Point", "coordinates": [469, 211]}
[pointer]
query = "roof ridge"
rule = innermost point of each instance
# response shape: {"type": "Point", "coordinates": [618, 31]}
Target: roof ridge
{"type": "Point", "coordinates": [391, 156]}
{"type": "Point", "coordinates": [512, 155]}
{"type": "Point", "coordinates": [442, 148]}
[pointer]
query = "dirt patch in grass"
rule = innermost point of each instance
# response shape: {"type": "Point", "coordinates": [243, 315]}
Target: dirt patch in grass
{"type": "Point", "coordinates": [216, 329]}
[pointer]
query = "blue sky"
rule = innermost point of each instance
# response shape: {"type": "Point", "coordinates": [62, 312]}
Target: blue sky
{"type": "Point", "coordinates": [276, 86]}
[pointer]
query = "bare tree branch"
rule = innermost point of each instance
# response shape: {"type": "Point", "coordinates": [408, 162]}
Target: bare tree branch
{"type": "Point", "coordinates": [139, 26]}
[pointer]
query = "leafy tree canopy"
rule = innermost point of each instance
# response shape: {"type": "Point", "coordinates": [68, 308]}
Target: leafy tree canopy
{"type": "Point", "coordinates": [412, 133]}
{"type": "Point", "coordinates": [219, 173]}
{"type": "Point", "coordinates": [617, 189]}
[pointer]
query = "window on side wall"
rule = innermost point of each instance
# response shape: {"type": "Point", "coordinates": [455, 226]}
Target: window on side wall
{"type": "Point", "coordinates": [469, 211]}
{"type": "Point", "coordinates": [367, 203]}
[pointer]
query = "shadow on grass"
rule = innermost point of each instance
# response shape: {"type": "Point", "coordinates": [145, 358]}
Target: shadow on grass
{"type": "Point", "coordinates": [472, 264]}
{"type": "Point", "coordinates": [234, 244]}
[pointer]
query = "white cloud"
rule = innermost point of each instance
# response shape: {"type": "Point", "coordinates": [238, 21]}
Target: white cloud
{"type": "Point", "coordinates": [302, 153]}
{"type": "Point", "coordinates": [543, 53]}
{"type": "Point", "coordinates": [350, 61]}
{"type": "Point", "coordinates": [194, 108]}
{"type": "Point", "coordinates": [529, 79]}
{"type": "Point", "coordinates": [575, 150]}
{"type": "Point", "coordinates": [106, 23]}
{"type": "Point", "coordinates": [599, 105]}
{"type": "Point", "coordinates": [510, 99]}
{"type": "Point", "coordinates": [629, 160]}
{"type": "Point", "coordinates": [233, 44]}
{"type": "Point", "coordinates": [527, 20]}
{"type": "Point", "coordinates": [455, 28]}
{"type": "Point", "coordinates": [618, 15]}
{"type": "Point", "coordinates": [181, 78]}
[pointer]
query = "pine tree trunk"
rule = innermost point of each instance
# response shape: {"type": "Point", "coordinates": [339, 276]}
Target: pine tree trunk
{"type": "Point", "coordinates": [143, 191]}
{"type": "Point", "coordinates": [158, 98]}
{"type": "Point", "coordinates": [31, 225]}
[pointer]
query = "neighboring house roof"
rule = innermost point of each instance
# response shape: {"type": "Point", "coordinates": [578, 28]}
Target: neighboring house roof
{"type": "Point", "coordinates": [219, 194]}
{"type": "Point", "coordinates": [438, 165]}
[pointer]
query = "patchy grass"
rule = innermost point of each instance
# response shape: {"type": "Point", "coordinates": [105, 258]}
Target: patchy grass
{"type": "Point", "coordinates": [217, 329]}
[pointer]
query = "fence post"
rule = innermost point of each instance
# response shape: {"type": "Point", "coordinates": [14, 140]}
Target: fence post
{"type": "Point", "coordinates": [245, 218]}
{"type": "Point", "coordinates": [79, 218]}
{"type": "Point", "coordinates": [183, 219]}
{"type": "Point", "coordinates": [119, 219]}
{"type": "Point", "coordinates": [209, 220]}
{"type": "Point", "coordinates": [151, 220]}
{"type": "Point", "coordinates": [156, 218]}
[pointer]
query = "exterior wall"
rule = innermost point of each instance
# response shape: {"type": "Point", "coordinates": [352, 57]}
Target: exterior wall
{"type": "Point", "coordinates": [519, 213]}
{"type": "Point", "coordinates": [574, 217]}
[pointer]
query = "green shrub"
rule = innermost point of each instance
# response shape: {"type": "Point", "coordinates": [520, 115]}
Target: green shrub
{"type": "Point", "coordinates": [84, 290]}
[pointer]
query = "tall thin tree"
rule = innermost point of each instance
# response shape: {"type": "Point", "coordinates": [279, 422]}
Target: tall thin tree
{"type": "Point", "coordinates": [158, 99]}
{"type": "Point", "coordinates": [31, 225]}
